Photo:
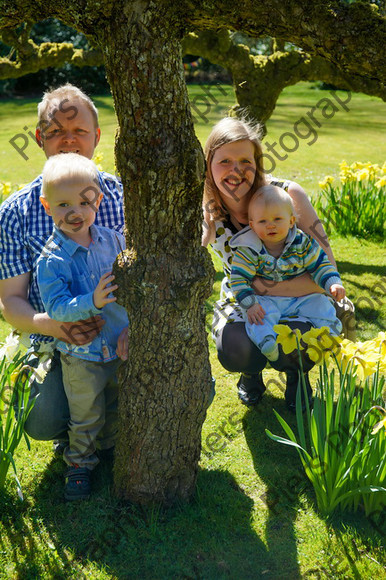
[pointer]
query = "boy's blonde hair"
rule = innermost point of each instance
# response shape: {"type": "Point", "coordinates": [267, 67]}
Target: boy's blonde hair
{"type": "Point", "coordinates": [229, 130]}
{"type": "Point", "coordinates": [271, 194]}
{"type": "Point", "coordinates": [62, 99]}
{"type": "Point", "coordinates": [66, 167]}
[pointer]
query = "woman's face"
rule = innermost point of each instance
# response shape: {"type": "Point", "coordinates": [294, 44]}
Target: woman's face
{"type": "Point", "coordinates": [234, 169]}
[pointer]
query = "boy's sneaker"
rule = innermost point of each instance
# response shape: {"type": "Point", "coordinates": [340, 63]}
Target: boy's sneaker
{"type": "Point", "coordinates": [77, 483]}
{"type": "Point", "coordinates": [269, 348]}
{"type": "Point", "coordinates": [292, 386]}
{"type": "Point", "coordinates": [250, 389]}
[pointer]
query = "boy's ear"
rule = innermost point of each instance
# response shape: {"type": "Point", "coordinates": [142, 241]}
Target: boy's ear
{"type": "Point", "coordinates": [39, 138]}
{"type": "Point", "coordinates": [45, 204]}
{"type": "Point", "coordinates": [98, 201]}
{"type": "Point", "coordinates": [292, 221]}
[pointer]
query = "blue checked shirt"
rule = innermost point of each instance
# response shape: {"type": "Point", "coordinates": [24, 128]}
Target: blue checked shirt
{"type": "Point", "coordinates": [25, 228]}
{"type": "Point", "coordinates": [68, 274]}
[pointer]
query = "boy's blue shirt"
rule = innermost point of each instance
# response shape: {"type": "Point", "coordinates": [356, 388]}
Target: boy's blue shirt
{"type": "Point", "coordinates": [68, 274]}
{"type": "Point", "coordinates": [25, 228]}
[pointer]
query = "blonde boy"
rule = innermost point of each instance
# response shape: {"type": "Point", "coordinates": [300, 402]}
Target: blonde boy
{"type": "Point", "coordinates": [75, 283]}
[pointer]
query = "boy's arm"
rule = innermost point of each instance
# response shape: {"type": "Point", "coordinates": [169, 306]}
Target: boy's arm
{"type": "Point", "coordinates": [19, 313]}
{"type": "Point", "coordinates": [319, 266]}
{"type": "Point", "coordinates": [53, 278]}
{"type": "Point", "coordinates": [242, 273]}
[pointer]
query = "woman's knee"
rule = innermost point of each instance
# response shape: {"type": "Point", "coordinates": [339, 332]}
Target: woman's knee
{"type": "Point", "coordinates": [236, 352]}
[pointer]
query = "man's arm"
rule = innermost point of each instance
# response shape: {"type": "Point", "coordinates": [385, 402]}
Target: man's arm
{"type": "Point", "coordinates": [19, 313]}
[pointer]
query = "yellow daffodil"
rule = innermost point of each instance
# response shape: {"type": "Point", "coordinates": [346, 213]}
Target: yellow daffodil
{"type": "Point", "coordinates": [346, 176]}
{"type": "Point", "coordinates": [363, 355]}
{"type": "Point", "coordinates": [343, 165]}
{"type": "Point", "coordinates": [287, 337]}
{"type": "Point", "coordinates": [384, 168]}
{"type": "Point", "coordinates": [362, 174]}
{"type": "Point", "coordinates": [381, 182]}
{"type": "Point", "coordinates": [5, 189]}
{"type": "Point", "coordinates": [321, 345]}
{"type": "Point", "coordinates": [327, 180]}
{"type": "Point", "coordinates": [98, 158]}
{"type": "Point", "coordinates": [378, 426]}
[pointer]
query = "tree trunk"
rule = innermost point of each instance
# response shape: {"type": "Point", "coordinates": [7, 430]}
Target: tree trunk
{"type": "Point", "coordinates": [165, 274]}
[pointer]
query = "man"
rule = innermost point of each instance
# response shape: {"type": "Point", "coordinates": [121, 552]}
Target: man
{"type": "Point", "coordinates": [67, 122]}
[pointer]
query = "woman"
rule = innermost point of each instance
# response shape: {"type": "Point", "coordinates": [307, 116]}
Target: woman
{"type": "Point", "coordinates": [234, 173]}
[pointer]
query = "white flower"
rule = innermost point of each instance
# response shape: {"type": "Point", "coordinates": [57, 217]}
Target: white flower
{"type": "Point", "coordinates": [10, 347]}
{"type": "Point", "coordinates": [39, 373]}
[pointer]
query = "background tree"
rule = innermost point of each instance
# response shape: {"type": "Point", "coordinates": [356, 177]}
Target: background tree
{"type": "Point", "coordinates": [258, 79]}
{"type": "Point", "coordinates": [165, 274]}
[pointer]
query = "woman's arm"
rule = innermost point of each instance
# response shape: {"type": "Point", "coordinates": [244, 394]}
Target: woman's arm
{"type": "Point", "coordinates": [208, 232]}
{"type": "Point", "coordinates": [298, 286]}
{"type": "Point", "coordinates": [307, 219]}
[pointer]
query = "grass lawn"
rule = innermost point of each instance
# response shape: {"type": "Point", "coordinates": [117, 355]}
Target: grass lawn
{"type": "Point", "coordinates": [253, 515]}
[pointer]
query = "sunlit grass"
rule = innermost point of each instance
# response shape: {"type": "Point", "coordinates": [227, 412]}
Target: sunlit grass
{"type": "Point", "coordinates": [253, 515]}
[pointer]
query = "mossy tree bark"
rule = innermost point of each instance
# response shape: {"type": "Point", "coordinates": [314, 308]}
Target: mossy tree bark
{"type": "Point", "coordinates": [258, 80]}
{"type": "Point", "coordinates": [164, 275]}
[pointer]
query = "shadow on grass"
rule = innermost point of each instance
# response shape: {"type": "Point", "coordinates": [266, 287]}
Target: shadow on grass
{"type": "Point", "coordinates": [287, 488]}
{"type": "Point", "coordinates": [282, 475]}
{"type": "Point", "coordinates": [210, 537]}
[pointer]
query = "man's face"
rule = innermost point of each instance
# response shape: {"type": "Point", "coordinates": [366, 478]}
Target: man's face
{"type": "Point", "coordinates": [69, 129]}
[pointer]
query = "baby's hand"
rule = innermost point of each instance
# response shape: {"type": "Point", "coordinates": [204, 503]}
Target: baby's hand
{"type": "Point", "coordinates": [337, 291]}
{"type": "Point", "coordinates": [101, 292]}
{"type": "Point", "coordinates": [256, 314]}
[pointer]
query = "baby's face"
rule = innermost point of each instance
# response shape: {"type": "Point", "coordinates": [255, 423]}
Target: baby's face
{"type": "Point", "coordinates": [73, 204]}
{"type": "Point", "coordinates": [270, 222]}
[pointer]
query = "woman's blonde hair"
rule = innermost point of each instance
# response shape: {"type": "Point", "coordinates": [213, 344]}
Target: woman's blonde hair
{"type": "Point", "coordinates": [226, 131]}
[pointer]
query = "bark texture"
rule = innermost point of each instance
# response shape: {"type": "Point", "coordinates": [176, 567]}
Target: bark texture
{"type": "Point", "coordinates": [163, 276]}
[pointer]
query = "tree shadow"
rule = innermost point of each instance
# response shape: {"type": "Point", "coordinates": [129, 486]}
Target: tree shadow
{"type": "Point", "coordinates": [284, 480]}
{"type": "Point", "coordinates": [210, 537]}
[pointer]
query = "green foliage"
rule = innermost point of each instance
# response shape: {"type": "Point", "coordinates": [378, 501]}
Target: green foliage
{"type": "Point", "coordinates": [357, 205]}
{"type": "Point", "coordinates": [342, 451]}
{"type": "Point", "coordinates": [15, 406]}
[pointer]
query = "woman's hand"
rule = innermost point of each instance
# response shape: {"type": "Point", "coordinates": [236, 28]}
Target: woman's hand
{"type": "Point", "coordinates": [297, 286]}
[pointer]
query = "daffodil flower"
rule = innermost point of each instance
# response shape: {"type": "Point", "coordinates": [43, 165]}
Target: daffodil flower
{"type": "Point", "coordinates": [321, 344]}
{"type": "Point", "coordinates": [362, 175]}
{"type": "Point", "coordinates": [288, 338]}
{"type": "Point", "coordinates": [378, 426]}
{"type": "Point", "coordinates": [10, 347]}
{"type": "Point", "coordinates": [381, 182]}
